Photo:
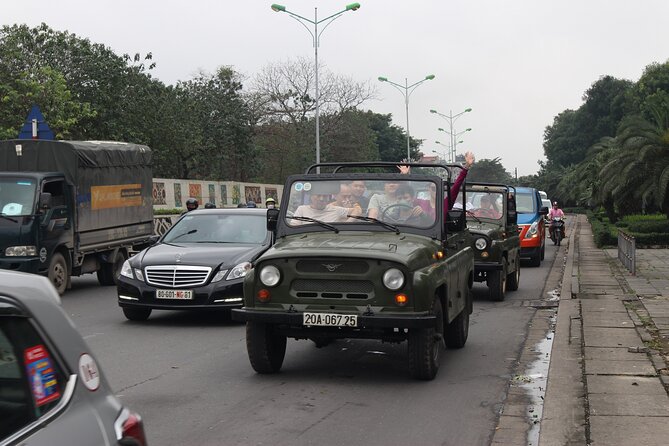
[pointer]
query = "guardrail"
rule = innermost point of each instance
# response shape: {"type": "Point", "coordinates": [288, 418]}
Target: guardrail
{"type": "Point", "coordinates": [627, 251]}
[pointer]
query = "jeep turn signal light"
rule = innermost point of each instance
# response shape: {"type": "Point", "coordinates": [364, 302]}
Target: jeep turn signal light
{"type": "Point", "coordinates": [263, 295]}
{"type": "Point", "coordinates": [484, 254]}
{"type": "Point", "coordinates": [401, 299]}
{"type": "Point", "coordinates": [438, 255]}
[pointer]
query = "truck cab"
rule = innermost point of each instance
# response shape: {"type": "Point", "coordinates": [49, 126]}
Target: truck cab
{"type": "Point", "coordinates": [393, 269]}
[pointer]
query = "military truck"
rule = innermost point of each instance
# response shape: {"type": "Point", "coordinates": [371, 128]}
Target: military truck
{"type": "Point", "coordinates": [492, 222]}
{"type": "Point", "coordinates": [73, 207]}
{"type": "Point", "coordinates": [397, 271]}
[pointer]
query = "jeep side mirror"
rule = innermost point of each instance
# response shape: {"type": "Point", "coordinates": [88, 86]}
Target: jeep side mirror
{"type": "Point", "coordinates": [45, 200]}
{"type": "Point", "coordinates": [272, 218]}
{"type": "Point", "coordinates": [544, 210]}
{"type": "Point", "coordinates": [455, 220]}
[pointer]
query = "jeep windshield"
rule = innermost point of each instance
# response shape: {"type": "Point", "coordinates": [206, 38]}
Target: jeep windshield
{"type": "Point", "coordinates": [389, 201]}
{"type": "Point", "coordinates": [484, 205]}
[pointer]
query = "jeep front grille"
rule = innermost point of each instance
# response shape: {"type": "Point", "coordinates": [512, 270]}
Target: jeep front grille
{"type": "Point", "coordinates": [325, 266]}
{"type": "Point", "coordinates": [333, 289]}
{"type": "Point", "coordinates": [176, 276]}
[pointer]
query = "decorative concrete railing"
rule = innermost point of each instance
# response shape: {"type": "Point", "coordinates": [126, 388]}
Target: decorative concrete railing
{"type": "Point", "coordinates": [163, 223]}
{"type": "Point", "coordinates": [627, 251]}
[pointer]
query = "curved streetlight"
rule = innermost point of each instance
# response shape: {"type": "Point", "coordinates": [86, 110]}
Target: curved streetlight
{"type": "Point", "coordinates": [451, 118]}
{"type": "Point", "coordinates": [316, 37]}
{"type": "Point", "coordinates": [404, 89]}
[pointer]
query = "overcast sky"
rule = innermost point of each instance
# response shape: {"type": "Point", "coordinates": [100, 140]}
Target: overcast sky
{"type": "Point", "coordinates": [516, 63]}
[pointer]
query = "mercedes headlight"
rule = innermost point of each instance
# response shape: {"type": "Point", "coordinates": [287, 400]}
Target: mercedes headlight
{"type": "Point", "coordinates": [126, 270]}
{"type": "Point", "coordinates": [270, 275]}
{"type": "Point", "coordinates": [393, 279]}
{"type": "Point", "coordinates": [239, 271]}
{"type": "Point", "coordinates": [21, 251]}
{"type": "Point", "coordinates": [481, 243]}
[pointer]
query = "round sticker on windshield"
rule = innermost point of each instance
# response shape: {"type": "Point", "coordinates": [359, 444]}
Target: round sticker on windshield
{"type": "Point", "coordinates": [88, 371]}
{"type": "Point", "coordinates": [307, 187]}
{"type": "Point", "coordinates": [299, 187]}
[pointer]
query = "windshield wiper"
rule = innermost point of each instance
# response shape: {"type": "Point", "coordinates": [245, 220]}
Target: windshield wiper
{"type": "Point", "coordinates": [313, 220]}
{"type": "Point", "coordinates": [192, 231]}
{"type": "Point", "coordinates": [375, 220]}
{"type": "Point", "coordinates": [8, 218]}
{"type": "Point", "coordinates": [470, 213]}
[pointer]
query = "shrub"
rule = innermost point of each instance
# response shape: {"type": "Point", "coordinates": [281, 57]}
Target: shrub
{"type": "Point", "coordinates": [167, 211]}
{"type": "Point", "coordinates": [651, 238]}
{"type": "Point", "coordinates": [602, 232]}
{"type": "Point", "coordinates": [649, 226]}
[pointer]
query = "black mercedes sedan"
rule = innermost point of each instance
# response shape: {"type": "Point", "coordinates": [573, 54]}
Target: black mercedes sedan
{"type": "Point", "coordinates": [200, 263]}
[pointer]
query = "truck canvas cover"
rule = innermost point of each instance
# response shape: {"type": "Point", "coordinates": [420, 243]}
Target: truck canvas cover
{"type": "Point", "coordinates": [112, 181]}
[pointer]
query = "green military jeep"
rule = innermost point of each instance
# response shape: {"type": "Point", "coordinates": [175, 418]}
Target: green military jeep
{"type": "Point", "coordinates": [385, 265]}
{"type": "Point", "coordinates": [491, 219]}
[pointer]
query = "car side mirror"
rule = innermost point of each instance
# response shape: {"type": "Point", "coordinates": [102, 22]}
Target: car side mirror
{"type": "Point", "coordinates": [455, 220]}
{"type": "Point", "coordinates": [45, 200]}
{"type": "Point", "coordinates": [272, 219]}
{"type": "Point", "coordinates": [544, 211]}
{"type": "Point", "coordinates": [154, 239]}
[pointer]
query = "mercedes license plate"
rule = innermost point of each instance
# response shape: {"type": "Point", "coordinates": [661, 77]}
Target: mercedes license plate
{"type": "Point", "coordinates": [174, 294]}
{"type": "Point", "coordinates": [330, 319]}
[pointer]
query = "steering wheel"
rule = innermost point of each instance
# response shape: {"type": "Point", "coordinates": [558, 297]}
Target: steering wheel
{"type": "Point", "coordinates": [385, 216]}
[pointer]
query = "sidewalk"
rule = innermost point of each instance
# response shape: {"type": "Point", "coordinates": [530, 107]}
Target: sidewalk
{"type": "Point", "coordinates": [607, 382]}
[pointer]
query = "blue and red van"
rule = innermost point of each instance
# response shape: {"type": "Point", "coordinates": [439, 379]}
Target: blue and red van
{"type": "Point", "coordinates": [531, 224]}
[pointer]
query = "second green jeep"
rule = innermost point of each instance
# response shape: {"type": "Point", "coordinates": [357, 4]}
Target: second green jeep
{"type": "Point", "coordinates": [491, 219]}
{"type": "Point", "coordinates": [390, 264]}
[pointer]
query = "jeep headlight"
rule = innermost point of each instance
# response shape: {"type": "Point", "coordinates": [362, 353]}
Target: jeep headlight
{"type": "Point", "coordinates": [393, 279]}
{"type": "Point", "coordinates": [532, 232]}
{"type": "Point", "coordinates": [126, 270]}
{"type": "Point", "coordinates": [239, 271]}
{"type": "Point", "coordinates": [270, 275]}
{"type": "Point", "coordinates": [480, 243]}
{"type": "Point", "coordinates": [21, 251]}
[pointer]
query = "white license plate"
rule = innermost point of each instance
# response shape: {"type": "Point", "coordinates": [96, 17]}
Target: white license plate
{"type": "Point", "coordinates": [330, 319]}
{"type": "Point", "coordinates": [174, 294]}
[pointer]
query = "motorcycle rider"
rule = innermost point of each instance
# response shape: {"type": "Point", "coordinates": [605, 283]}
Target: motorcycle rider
{"type": "Point", "coordinates": [555, 211]}
{"type": "Point", "coordinates": [191, 205]}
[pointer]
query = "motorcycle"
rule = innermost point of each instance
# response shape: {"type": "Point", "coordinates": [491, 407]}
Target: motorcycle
{"type": "Point", "coordinates": [557, 230]}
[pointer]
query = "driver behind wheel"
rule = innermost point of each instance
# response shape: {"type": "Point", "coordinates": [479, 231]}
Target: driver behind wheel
{"type": "Point", "coordinates": [405, 208]}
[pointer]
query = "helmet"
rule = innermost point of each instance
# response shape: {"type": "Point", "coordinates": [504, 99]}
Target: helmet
{"type": "Point", "coordinates": [251, 204]}
{"type": "Point", "coordinates": [555, 203]}
{"type": "Point", "coordinates": [241, 205]}
{"type": "Point", "coordinates": [191, 204]}
{"type": "Point", "coordinates": [270, 200]}
{"type": "Point", "coordinates": [209, 205]}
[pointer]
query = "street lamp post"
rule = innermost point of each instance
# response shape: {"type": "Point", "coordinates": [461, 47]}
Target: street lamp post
{"type": "Point", "coordinates": [404, 89]}
{"type": "Point", "coordinates": [316, 36]}
{"type": "Point", "coordinates": [451, 118]}
{"type": "Point", "coordinates": [454, 141]}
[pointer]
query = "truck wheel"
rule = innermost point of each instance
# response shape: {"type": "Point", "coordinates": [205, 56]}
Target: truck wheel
{"type": "Point", "coordinates": [425, 347]}
{"type": "Point", "coordinates": [137, 314]}
{"type": "Point", "coordinates": [58, 274]}
{"type": "Point", "coordinates": [265, 347]}
{"type": "Point", "coordinates": [458, 330]}
{"type": "Point", "coordinates": [513, 279]}
{"type": "Point", "coordinates": [497, 283]}
{"type": "Point", "coordinates": [108, 272]}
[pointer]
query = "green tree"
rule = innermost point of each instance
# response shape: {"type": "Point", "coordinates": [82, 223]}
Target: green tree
{"type": "Point", "coordinates": [47, 88]}
{"type": "Point", "coordinates": [489, 171]}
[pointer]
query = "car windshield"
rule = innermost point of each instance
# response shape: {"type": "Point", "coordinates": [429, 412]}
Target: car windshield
{"type": "Point", "coordinates": [17, 196]}
{"type": "Point", "coordinates": [397, 202]}
{"type": "Point", "coordinates": [525, 203]}
{"type": "Point", "coordinates": [485, 205]}
{"type": "Point", "coordinates": [219, 228]}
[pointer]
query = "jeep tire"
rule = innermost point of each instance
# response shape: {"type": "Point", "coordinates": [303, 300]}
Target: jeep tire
{"type": "Point", "coordinates": [497, 283]}
{"type": "Point", "coordinates": [265, 347]}
{"type": "Point", "coordinates": [424, 347]}
{"type": "Point", "coordinates": [513, 279]}
{"type": "Point", "coordinates": [458, 330]}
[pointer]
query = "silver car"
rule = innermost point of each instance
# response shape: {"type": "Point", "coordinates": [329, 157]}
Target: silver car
{"type": "Point", "coordinates": [52, 391]}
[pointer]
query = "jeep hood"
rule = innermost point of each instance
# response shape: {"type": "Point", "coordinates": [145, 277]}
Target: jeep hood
{"type": "Point", "coordinates": [484, 228]}
{"type": "Point", "coordinates": [402, 248]}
